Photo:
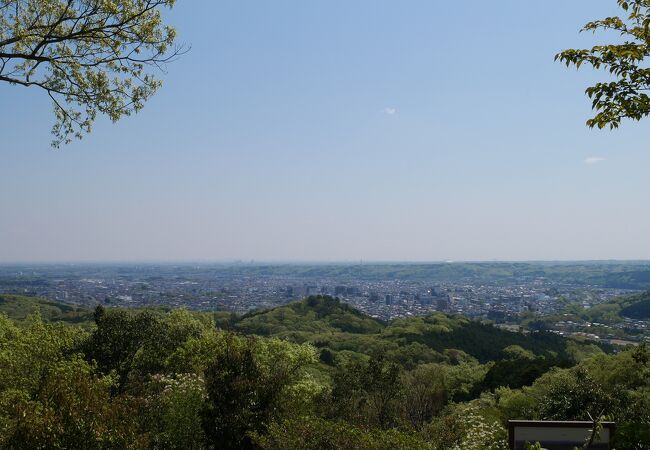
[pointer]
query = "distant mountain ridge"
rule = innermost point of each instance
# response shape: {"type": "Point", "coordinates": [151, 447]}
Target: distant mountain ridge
{"type": "Point", "coordinates": [632, 275]}
{"type": "Point", "coordinates": [621, 275]}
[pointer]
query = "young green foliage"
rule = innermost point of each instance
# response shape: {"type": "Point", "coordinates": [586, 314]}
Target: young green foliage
{"type": "Point", "coordinates": [89, 56]}
{"type": "Point", "coordinates": [625, 96]}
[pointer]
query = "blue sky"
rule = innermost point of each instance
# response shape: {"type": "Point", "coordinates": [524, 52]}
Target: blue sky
{"type": "Point", "coordinates": [339, 130]}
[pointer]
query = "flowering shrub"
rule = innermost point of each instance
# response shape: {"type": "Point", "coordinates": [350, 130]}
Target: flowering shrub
{"type": "Point", "coordinates": [481, 433]}
{"type": "Point", "coordinates": [178, 405]}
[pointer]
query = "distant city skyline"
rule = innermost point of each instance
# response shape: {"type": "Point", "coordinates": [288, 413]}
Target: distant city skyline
{"type": "Point", "coordinates": [338, 131]}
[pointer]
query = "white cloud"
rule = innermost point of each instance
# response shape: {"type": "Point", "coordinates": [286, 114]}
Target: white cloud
{"type": "Point", "coordinates": [592, 160]}
{"type": "Point", "coordinates": [389, 110]}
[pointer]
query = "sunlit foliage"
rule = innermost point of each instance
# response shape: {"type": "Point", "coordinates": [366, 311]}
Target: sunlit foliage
{"type": "Point", "coordinates": [154, 379]}
{"type": "Point", "coordinates": [90, 57]}
{"type": "Point", "coordinates": [624, 96]}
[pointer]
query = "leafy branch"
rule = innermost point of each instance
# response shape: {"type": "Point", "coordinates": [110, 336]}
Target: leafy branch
{"type": "Point", "coordinates": [625, 96]}
{"type": "Point", "coordinates": [90, 56]}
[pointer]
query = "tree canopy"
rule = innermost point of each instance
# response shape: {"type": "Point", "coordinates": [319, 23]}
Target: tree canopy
{"type": "Point", "coordinates": [89, 56]}
{"type": "Point", "coordinates": [153, 378]}
{"type": "Point", "coordinates": [625, 95]}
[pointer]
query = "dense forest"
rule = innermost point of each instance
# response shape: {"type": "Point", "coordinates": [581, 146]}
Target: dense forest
{"type": "Point", "coordinates": [314, 374]}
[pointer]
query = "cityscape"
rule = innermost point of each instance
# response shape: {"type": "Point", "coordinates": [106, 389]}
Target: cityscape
{"type": "Point", "coordinates": [507, 302]}
{"type": "Point", "coordinates": [324, 225]}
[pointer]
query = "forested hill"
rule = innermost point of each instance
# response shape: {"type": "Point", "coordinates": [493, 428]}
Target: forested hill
{"type": "Point", "coordinates": [312, 374]}
{"type": "Point", "coordinates": [336, 327]}
{"type": "Point", "coordinates": [311, 315]}
{"type": "Point", "coordinates": [635, 306]}
{"type": "Point", "coordinates": [18, 307]}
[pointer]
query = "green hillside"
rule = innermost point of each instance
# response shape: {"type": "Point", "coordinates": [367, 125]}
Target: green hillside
{"type": "Point", "coordinates": [635, 306]}
{"type": "Point", "coordinates": [338, 328]}
{"type": "Point", "coordinates": [18, 307]}
{"type": "Point", "coordinates": [308, 317]}
{"type": "Point", "coordinates": [327, 323]}
{"type": "Point", "coordinates": [313, 374]}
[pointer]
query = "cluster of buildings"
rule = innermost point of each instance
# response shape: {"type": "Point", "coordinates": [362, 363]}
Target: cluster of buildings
{"type": "Point", "coordinates": [502, 301]}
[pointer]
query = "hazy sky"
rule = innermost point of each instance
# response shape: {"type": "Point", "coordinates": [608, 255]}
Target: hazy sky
{"type": "Point", "coordinates": [340, 130]}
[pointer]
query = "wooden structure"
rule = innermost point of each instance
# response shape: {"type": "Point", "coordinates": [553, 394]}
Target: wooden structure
{"type": "Point", "coordinates": [558, 435]}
